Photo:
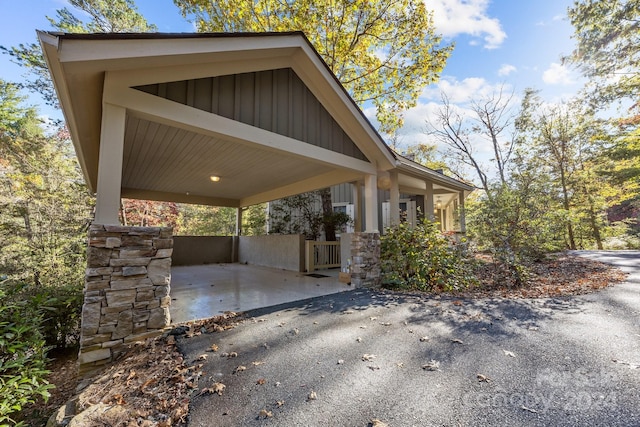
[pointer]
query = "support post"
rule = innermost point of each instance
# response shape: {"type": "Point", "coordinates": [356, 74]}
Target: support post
{"type": "Point", "coordinates": [239, 221]}
{"type": "Point", "coordinates": [110, 165]}
{"type": "Point", "coordinates": [371, 203]}
{"type": "Point", "coordinates": [394, 199]}
{"type": "Point", "coordinates": [357, 206]}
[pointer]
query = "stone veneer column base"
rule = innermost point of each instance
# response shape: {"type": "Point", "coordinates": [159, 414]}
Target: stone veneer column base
{"type": "Point", "coordinates": [126, 290]}
{"type": "Point", "coordinates": [365, 260]}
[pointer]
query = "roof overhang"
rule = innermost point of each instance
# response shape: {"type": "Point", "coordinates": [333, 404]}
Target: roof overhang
{"type": "Point", "coordinates": [90, 70]}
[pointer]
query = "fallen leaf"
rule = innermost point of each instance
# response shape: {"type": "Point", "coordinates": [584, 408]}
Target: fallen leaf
{"type": "Point", "coordinates": [218, 388]}
{"type": "Point", "coordinates": [509, 353]}
{"type": "Point", "coordinates": [348, 312]}
{"type": "Point", "coordinates": [257, 363]}
{"type": "Point", "coordinates": [214, 348]}
{"type": "Point", "coordinates": [456, 341]}
{"type": "Point", "coordinates": [373, 367]}
{"type": "Point", "coordinates": [533, 411]}
{"type": "Point", "coordinates": [232, 354]}
{"type": "Point", "coordinates": [261, 381]}
{"type": "Point", "coordinates": [279, 403]}
{"type": "Point", "coordinates": [368, 357]}
{"type": "Point", "coordinates": [483, 378]}
{"type": "Point", "coordinates": [295, 331]}
{"type": "Point", "coordinates": [202, 357]}
{"type": "Point", "coordinates": [359, 339]}
{"type": "Point", "coordinates": [410, 331]}
{"type": "Point", "coordinates": [363, 327]}
{"type": "Point", "coordinates": [171, 340]}
{"type": "Point", "coordinates": [265, 414]}
{"type": "Point", "coordinates": [239, 369]}
{"type": "Point", "coordinates": [385, 323]}
{"type": "Point", "coordinates": [377, 423]}
{"type": "Point", "coordinates": [312, 396]}
{"type": "Point", "coordinates": [373, 318]}
{"type": "Point", "coordinates": [424, 339]}
{"type": "Point", "coordinates": [132, 375]}
{"type": "Point", "coordinates": [432, 365]}
{"type": "Point", "coordinates": [340, 361]}
{"type": "Point", "coordinates": [118, 399]}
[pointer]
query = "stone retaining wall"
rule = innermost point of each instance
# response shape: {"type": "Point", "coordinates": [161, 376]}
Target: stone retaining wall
{"type": "Point", "coordinates": [365, 259]}
{"type": "Point", "coordinates": [126, 292]}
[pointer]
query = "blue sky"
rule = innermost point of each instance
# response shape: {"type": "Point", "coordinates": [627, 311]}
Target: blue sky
{"type": "Point", "coordinates": [516, 43]}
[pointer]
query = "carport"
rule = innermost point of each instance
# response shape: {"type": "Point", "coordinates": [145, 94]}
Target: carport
{"type": "Point", "coordinates": [214, 119]}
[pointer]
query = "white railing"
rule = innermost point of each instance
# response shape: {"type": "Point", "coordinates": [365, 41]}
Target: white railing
{"type": "Point", "coordinates": [319, 255]}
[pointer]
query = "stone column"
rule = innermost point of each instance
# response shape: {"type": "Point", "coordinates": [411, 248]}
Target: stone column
{"type": "Point", "coordinates": [126, 292]}
{"type": "Point", "coordinates": [365, 260]}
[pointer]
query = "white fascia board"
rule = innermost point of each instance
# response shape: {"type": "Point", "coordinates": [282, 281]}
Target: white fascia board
{"type": "Point", "coordinates": [168, 49]}
{"type": "Point", "coordinates": [184, 117]}
{"type": "Point", "coordinates": [422, 172]}
{"type": "Point", "coordinates": [49, 45]}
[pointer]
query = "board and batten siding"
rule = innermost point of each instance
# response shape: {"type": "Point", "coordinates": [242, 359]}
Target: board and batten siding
{"type": "Point", "coordinates": [273, 100]}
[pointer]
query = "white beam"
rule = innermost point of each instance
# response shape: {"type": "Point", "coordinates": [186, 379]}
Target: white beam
{"type": "Point", "coordinates": [185, 117]}
{"type": "Point", "coordinates": [314, 183]}
{"type": "Point", "coordinates": [110, 164]}
{"type": "Point", "coordinates": [371, 203]}
{"type": "Point", "coordinates": [162, 196]}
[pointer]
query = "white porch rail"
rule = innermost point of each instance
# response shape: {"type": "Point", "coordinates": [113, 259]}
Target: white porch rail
{"type": "Point", "coordinates": [319, 255]}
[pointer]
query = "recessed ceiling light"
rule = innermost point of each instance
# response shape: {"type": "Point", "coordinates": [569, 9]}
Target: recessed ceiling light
{"type": "Point", "coordinates": [214, 178]}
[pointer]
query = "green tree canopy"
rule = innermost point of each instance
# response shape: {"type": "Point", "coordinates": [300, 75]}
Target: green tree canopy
{"type": "Point", "coordinates": [107, 16]}
{"type": "Point", "coordinates": [608, 46]}
{"type": "Point", "coordinates": [383, 52]}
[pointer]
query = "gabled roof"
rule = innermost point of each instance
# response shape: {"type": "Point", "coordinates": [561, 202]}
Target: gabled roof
{"type": "Point", "coordinates": [171, 148]}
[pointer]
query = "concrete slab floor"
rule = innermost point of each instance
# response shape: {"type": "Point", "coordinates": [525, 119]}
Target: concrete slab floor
{"type": "Point", "coordinates": [203, 291]}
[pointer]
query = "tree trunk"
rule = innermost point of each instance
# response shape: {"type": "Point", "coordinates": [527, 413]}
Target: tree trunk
{"type": "Point", "coordinates": [565, 202]}
{"type": "Point", "coordinates": [593, 219]}
{"type": "Point", "coordinates": [327, 215]}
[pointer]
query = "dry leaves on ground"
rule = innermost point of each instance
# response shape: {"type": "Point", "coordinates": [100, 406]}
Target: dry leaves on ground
{"type": "Point", "coordinates": [560, 275]}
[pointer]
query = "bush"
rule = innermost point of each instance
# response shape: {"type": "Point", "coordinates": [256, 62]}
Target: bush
{"type": "Point", "coordinates": [423, 258]}
{"type": "Point", "coordinates": [22, 353]}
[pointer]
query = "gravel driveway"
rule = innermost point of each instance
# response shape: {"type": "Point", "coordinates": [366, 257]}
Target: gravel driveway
{"type": "Point", "coordinates": [407, 360]}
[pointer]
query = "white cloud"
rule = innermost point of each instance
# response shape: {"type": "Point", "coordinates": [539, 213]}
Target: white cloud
{"type": "Point", "coordinates": [557, 74]}
{"type": "Point", "coordinates": [459, 92]}
{"type": "Point", "coordinates": [506, 69]}
{"type": "Point", "coordinates": [454, 17]}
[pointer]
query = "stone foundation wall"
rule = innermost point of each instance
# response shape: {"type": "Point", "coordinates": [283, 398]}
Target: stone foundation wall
{"type": "Point", "coordinates": [126, 291]}
{"type": "Point", "coordinates": [365, 259]}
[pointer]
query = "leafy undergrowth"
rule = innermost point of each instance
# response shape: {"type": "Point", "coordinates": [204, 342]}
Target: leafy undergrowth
{"type": "Point", "coordinates": [150, 385]}
{"type": "Point", "coordinates": [560, 275]}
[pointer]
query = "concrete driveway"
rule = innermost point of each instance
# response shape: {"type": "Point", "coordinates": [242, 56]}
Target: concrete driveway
{"type": "Point", "coordinates": [407, 360]}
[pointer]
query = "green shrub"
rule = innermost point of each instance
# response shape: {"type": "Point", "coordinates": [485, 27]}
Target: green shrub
{"type": "Point", "coordinates": [22, 353]}
{"type": "Point", "coordinates": [423, 258]}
